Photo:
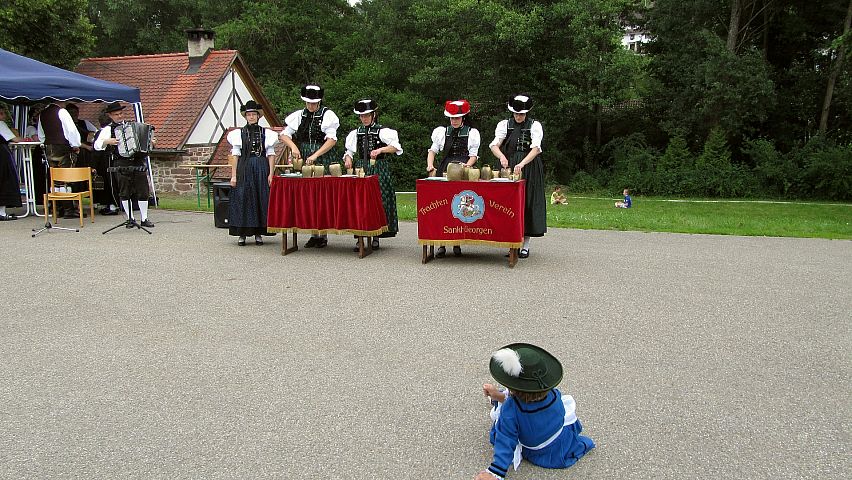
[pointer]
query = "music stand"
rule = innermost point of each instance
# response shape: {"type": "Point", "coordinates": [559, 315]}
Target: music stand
{"type": "Point", "coordinates": [47, 225]}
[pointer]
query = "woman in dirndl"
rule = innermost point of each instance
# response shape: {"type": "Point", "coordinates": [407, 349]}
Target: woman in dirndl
{"type": "Point", "coordinates": [10, 187]}
{"type": "Point", "coordinates": [517, 145]}
{"type": "Point", "coordinates": [457, 143]}
{"type": "Point", "coordinates": [252, 166]}
{"type": "Point", "coordinates": [371, 147]}
{"type": "Point", "coordinates": [314, 128]}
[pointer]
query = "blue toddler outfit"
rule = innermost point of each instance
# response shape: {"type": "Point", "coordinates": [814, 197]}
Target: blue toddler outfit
{"type": "Point", "coordinates": [546, 433]}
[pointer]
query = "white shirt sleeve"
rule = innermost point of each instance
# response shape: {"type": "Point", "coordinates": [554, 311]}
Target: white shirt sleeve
{"type": "Point", "coordinates": [6, 132]}
{"type": "Point", "coordinates": [235, 138]}
{"type": "Point", "coordinates": [330, 124]}
{"type": "Point", "coordinates": [291, 123]}
{"type": "Point", "coordinates": [499, 133]}
{"type": "Point", "coordinates": [438, 136]}
{"type": "Point", "coordinates": [351, 143]}
{"type": "Point", "coordinates": [90, 126]}
{"type": "Point", "coordinates": [390, 137]}
{"type": "Point", "coordinates": [537, 134]}
{"type": "Point", "coordinates": [104, 134]}
{"type": "Point", "coordinates": [473, 143]}
{"type": "Point", "coordinates": [69, 128]}
{"type": "Point", "coordinates": [269, 140]}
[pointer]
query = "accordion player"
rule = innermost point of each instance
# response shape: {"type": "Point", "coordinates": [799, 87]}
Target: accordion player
{"type": "Point", "coordinates": [127, 144]}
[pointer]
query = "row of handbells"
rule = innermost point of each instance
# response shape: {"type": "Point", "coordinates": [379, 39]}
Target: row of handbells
{"type": "Point", "coordinates": [460, 171]}
{"type": "Point", "coordinates": [455, 171]}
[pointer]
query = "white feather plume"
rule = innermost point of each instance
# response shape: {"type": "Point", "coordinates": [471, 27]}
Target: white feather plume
{"type": "Point", "coordinates": [509, 361]}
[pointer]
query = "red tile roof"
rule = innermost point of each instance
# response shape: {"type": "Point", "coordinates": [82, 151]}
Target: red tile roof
{"type": "Point", "coordinates": [172, 100]}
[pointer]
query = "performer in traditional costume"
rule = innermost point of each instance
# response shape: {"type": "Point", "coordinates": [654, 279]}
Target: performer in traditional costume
{"type": "Point", "coordinates": [517, 145]}
{"type": "Point", "coordinates": [533, 420]}
{"type": "Point", "coordinates": [315, 130]}
{"type": "Point", "coordinates": [370, 147]}
{"type": "Point", "coordinates": [10, 187]}
{"type": "Point", "coordinates": [131, 171]}
{"type": "Point", "coordinates": [252, 166]}
{"type": "Point", "coordinates": [458, 143]}
{"type": "Point", "coordinates": [58, 133]}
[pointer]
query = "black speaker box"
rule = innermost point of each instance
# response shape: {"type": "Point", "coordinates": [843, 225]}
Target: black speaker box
{"type": "Point", "coordinates": [221, 203]}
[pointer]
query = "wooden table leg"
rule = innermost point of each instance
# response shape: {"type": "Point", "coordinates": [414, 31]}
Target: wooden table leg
{"type": "Point", "coordinates": [513, 257]}
{"type": "Point", "coordinates": [365, 246]}
{"type": "Point", "coordinates": [284, 248]}
{"type": "Point", "coordinates": [427, 257]}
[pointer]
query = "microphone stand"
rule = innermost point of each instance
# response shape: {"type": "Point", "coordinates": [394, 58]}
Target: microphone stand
{"type": "Point", "coordinates": [47, 225]}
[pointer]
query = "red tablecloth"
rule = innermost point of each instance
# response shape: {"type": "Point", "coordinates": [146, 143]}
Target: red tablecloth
{"type": "Point", "coordinates": [326, 205]}
{"type": "Point", "coordinates": [457, 213]}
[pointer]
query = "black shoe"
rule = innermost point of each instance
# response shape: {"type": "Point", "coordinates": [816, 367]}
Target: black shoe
{"type": "Point", "coordinates": [7, 217]}
{"type": "Point", "coordinates": [71, 214]}
{"type": "Point", "coordinates": [258, 240]}
{"type": "Point", "coordinates": [457, 251]}
{"type": "Point", "coordinates": [242, 241]}
{"type": "Point", "coordinates": [107, 211]}
{"type": "Point", "coordinates": [376, 244]}
{"type": "Point", "coordinates": [131, 224]}
{"type": "Point", "coordinates": [147, 223]}
{"type": "Point", "coordinates": [321, 242]}
{"type": "Point", "coordinates": [524, 253]}
{"type": "Point", "coordinates": [441, 253]}
{"type": "Point", "coordinates": [312, 242]}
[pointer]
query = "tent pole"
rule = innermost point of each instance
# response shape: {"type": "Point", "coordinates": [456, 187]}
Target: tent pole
{"type": "Point", "coordinates": [140, 117]}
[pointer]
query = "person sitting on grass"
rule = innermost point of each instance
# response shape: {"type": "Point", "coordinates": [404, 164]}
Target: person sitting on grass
{"type": "Point", "coordinates": [627, 202]}
{"type": "Point", "coordinates": [532, 419]}
{"type": "Point", "coordinates": [557, 197]}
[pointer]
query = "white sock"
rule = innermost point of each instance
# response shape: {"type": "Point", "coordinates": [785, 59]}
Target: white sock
{"type": "Point", "coordinates": [526, 243]}
{"type": "Point", "coordinates": [125, 204]}
{"type": "Point", "coordinates": [143, 209]}
{"type": "Point", "coordinates": [3, 211]}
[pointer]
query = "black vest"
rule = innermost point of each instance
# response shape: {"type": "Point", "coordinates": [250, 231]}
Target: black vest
{"type": "Point", "coordinates": [455, 142]}
{"type": "Point", "coordinates": [519, 141]}
{"type": "Point", "coordinates": [52, 126]}
{"type": "Point", "coordinates": [368, 140]}
{"type": "Point", "coordinates": [310, 128]}
{"type": "Point", "coordinates": [253, 141]}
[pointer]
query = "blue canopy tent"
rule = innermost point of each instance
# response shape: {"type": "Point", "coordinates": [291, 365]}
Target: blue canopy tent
{"type": "Point", "coordinates": [25, 81]}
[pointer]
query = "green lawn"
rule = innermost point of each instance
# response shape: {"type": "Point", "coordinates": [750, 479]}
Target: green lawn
{"type": "Point", "coordinates": [750, 218]}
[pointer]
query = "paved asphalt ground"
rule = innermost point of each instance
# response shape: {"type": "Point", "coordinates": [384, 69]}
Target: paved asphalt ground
{"type": "Point", "coordinates": [180, 355]}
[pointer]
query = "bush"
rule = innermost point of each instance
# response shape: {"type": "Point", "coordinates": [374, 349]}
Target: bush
{"type": "Point", "coordinates": [827, 170]}
{"type": "Point", "coordinates": [633, 163]}
{"type": "Point", "coordinates": [775, 172]}
{"type": "Point", "coordinates": [584, 183]}
{"type": "Point", "coordinates": [673, 167]}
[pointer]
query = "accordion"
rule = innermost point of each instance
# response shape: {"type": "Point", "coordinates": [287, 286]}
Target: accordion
{"type": "Point", "coordinates": [133, 138]}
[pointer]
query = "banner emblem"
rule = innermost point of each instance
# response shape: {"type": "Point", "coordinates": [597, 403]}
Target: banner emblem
{"type": "Point", "coordinates": [468, 206]}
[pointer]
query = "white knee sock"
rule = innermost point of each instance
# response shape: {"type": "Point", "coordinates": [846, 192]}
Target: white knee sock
{"type": "Point", "coordinates": [3, 211]}
{"type": "Point", "coordinates": [143, 209]}
{"type": "Point", "coordinates": [526, 243]}
{"type": "Point", "coordinates": [125, 204]}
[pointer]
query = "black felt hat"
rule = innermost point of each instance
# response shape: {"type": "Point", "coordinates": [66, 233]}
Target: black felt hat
{"type": "Point", "coordinates": [312, 93]}
{"type": "Point", "coordinates": [114, 107]}
{"type": "Point", "coordinates": [520, 103]}
{"type": "Point", "coordinates": [365, 106]}
{"type": "Point", "coordinates": [525, 368]}
{"type": "Point", "coordinates": [251, 106]}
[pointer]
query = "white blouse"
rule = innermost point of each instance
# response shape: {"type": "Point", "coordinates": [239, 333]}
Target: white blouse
{"type": "Point", "coordinates": [6, 132]}
{"type": "Point", "coordinates": [387, 135]}
{"type": "Point", "coordinates": [536, 132]}
{"type": "Point", "coordinates": [439, 135]}
{"type": "Point", "coordinates": [329, 125]}
{"type": "Point", "coordinates": [235, 138]}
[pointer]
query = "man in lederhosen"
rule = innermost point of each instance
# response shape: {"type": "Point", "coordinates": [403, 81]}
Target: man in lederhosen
{"type": "Point", "coordinates": [131, 172]}
{"type": "Point", "coordinates": [56, 129]}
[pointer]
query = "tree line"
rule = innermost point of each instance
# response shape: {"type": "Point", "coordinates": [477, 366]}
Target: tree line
{"type": "Point", "coordinates": [730, 98]}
